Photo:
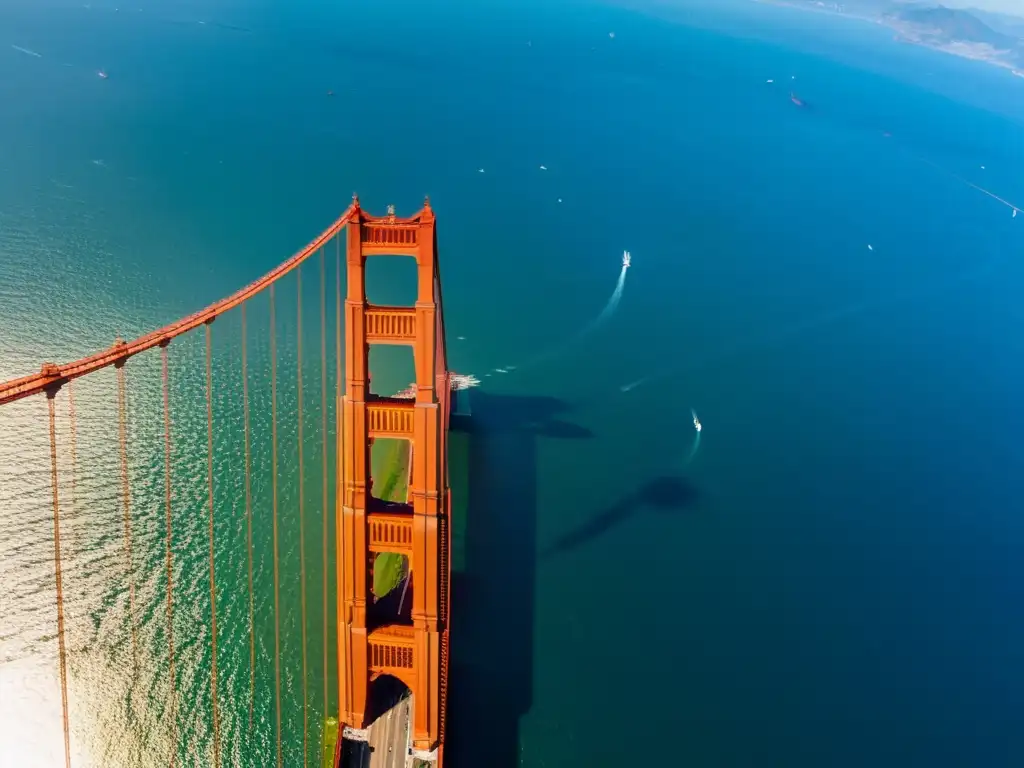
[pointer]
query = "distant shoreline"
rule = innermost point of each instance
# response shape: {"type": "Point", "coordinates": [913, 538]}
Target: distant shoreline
{"type": "Point", "coordinates": [963, 50]}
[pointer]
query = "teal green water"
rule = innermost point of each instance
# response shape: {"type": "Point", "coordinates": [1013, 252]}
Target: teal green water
{"type": "Point", "coordinates": [832, 580]}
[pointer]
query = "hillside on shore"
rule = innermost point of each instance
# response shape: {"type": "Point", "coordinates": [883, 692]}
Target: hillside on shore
{"type": "Point", "coordinates": [980, 35]}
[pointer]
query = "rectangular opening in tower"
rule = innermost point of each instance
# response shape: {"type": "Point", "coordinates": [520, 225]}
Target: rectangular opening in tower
{"type": "Point", "coordinates": [390, 535]}
{"type": "Point", "coordinates": [389, 469]}
{"type": "Point", "coordinates": [392, 368]}
{"type": "Point", "coordinates": [391, 280]}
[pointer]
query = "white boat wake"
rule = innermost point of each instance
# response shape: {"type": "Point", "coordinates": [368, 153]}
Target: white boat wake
{"type": "Point", "coordinates": [462, 381]}
{"type": "Point", "coordinates": [613, 301]}
{"type": "Point", "coordinates": [609, 309]}
{"type": "Point", "coordinates": [789, 333]}
{"type": "Point", "coordinates": [696, 437]}
{"type": "Point", "coordinates": [27, 51]}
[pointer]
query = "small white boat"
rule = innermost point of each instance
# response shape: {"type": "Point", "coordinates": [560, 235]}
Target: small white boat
{"type": "Point", "coordinates": [696, 421]}
{"type": "Point", "coordinates": [625, 259]}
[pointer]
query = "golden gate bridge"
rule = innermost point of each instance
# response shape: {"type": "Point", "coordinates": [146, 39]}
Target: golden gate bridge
{"type": "Point", "coordinates": [371, 639]}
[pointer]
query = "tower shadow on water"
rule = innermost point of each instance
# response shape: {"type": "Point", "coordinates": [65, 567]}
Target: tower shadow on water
{"type": "Point", "coordinates": [493, 463]}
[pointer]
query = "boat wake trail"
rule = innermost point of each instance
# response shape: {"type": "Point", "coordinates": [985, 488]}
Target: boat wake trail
{"type": "Point", "coordinates": [784, 335]}
{"type": "Point", "coordinates": [27, 51]}
{"type": "Point", "coordinates": [1007, 203]}
{"type": "Point", "coordinates": [696, 437]}
{"type": "Point", "coordinates": [1016, 209]}
{"type": "Point", "coordinates": [611, 306]}
{"type": "Point", "coordinates": [609, 309]}
{"type": "Point", "coordinates": [633, 384]}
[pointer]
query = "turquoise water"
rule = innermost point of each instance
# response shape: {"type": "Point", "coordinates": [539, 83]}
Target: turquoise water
{"type": "Point", "coordinates": [831, 581]}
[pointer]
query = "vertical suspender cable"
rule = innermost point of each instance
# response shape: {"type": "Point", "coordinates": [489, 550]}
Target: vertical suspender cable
{"type": "Point", "coordinates": [122, 416]}
{"type": "Point", "coordinates": [170, 557]}
{"type": "Point", "coordinates": [248, 524]}
{"type": "Point", "coordinates": [74, 448]}
{"type": "Point", "coordinates": [273, 476]}
{"type": "Point", "coordinates": [337, 311]}
{"type": "Point", "coordinates": [62, 651]}
{"type": "Point", "coordinates": [323, 441]}
{"type": "Point", "coordinates": [302, 520]}
{"type": "Point", "coordinates": [213, 582]}
{"type": "Point", "coordinates": [339, 481]}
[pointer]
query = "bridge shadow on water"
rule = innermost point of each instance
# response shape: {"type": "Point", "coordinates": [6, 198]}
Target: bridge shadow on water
{"type": "Point", "coordinates": [667, 494]}
{"type": "Point", "coordinates": [493, 468]}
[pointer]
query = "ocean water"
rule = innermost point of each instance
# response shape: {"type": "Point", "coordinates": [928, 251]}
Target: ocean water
{"type": "Point", "coordinates": [833, 579]}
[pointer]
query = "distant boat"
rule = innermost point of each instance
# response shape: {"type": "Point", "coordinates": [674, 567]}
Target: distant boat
{"type": "Point", "coordinates": [103, 75]}
{"type": "Point", "coordinates": [625, 259]}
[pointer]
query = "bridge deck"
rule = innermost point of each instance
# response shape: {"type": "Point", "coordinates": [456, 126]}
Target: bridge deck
{"type": "Point", "coordinates": [389, 736]}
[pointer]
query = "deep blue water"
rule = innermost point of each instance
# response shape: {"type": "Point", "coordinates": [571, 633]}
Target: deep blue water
{"type": "Point", "coordinates": [834, 580]}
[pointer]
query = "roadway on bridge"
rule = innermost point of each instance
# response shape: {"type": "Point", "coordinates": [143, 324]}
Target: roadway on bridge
{"type": "Point", "coordinates": [389, 736]}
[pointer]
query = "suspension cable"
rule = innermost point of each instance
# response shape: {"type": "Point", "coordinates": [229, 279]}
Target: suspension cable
{"type": "Point", "coordinates": [339, 480]}
{"type": "Point", "coordinates": [122, 411]}
{"type": "Point", "coordinates": [60, 579]}
{"type": "Point", "coordinates": [74, 450]}
{"type": "Point", "coordinates": [170, 555]}
{"type": "Point", "coordinates": [337, 313]}
{"type": "Point", "coordinates": [248, 519]}
{"type": "Point", "coordinates": [273, 475]}
{"type": "Point", "coordinates": [213, 582]}
{"type": "Point", "coordinates": [323, 440]}
{"type": "Point", "coordinates": [302, 521]}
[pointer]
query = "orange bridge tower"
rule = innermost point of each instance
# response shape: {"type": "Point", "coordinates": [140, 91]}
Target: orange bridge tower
{"type": "Point", "coordinates": [371, 644]}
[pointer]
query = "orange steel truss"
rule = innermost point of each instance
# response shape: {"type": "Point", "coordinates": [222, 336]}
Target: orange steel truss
{"type": "Point", "coordinates": [369, 646]}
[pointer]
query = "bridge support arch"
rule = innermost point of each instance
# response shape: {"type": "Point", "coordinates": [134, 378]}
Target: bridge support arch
{"type": "Point", "coordinates": [369, 645]}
